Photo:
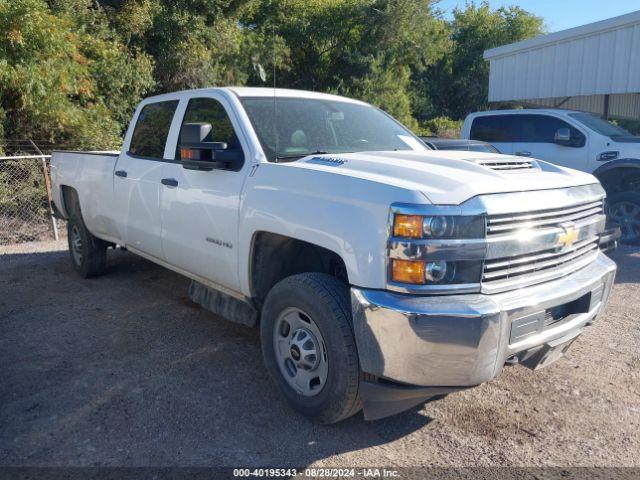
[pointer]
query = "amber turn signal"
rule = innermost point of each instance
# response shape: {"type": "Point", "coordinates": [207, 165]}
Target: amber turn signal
{"type": "Point", "coordinates": [407, 226]}
{"type": "Point", "coordinates": [407, 271]}
{"type": "Point", "coordinates": [188, 154]}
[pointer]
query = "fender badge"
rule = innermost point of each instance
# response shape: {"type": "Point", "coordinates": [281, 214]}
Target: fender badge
{"type": "Point", "coordinates": [332, 161]}
{"type": "Point", "coordinates": [220, 243]}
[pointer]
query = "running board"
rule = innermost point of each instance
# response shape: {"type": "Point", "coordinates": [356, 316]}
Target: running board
{"type": "Point", "coordinates": [222, 304]}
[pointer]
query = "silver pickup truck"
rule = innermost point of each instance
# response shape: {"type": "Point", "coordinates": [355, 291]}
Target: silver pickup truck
{"type": "Point", "coordinates": [380, 272]}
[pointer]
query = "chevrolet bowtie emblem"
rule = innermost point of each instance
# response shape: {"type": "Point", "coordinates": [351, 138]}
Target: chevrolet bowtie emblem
{"type": "Point", "coordinates": [567, 238]}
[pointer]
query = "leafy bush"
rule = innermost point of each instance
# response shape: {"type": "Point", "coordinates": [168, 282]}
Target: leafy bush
{"type": "Point", "coordinates": [442, 127]}
{"type": "Point", "coordinates": [65, 77]}
{"type": "Point", "coordinates": [71, 71]}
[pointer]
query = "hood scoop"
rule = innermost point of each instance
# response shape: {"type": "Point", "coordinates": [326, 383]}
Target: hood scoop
{"type": "Point", "coordinates": [512, 164]}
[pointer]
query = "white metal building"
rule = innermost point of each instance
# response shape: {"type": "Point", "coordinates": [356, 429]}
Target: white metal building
{"type": "Point", "coordinates": [594, 67]}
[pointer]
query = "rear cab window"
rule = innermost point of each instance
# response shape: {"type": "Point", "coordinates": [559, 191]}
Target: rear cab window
{"type": "Point", "coordinates": [493, 128]}
{"type": "Point", "coordinates": [152, 129]}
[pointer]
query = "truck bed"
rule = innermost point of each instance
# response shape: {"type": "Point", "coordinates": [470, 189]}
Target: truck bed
{"type": "Point", "coordinates": [91, 175]}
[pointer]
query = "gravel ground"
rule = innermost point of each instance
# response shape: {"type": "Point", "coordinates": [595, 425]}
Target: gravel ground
{"type": "Point", "coordinates": [124, 370]}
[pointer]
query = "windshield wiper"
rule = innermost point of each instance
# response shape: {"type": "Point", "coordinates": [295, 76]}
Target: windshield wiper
{"type": "Point", "coordinates": [300, 155]}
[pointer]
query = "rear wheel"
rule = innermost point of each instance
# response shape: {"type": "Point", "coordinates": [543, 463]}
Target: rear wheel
{"type": "Point", "coordinates": [309, 348]}
{"type": "Point", "coordinates": [624, 209]}
{"type": "Point", "coordinates": [88, 253]}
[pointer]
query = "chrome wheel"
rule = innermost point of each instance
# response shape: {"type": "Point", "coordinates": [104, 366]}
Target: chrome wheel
{"type": "Point", "coordinates": [300, 352]}
{"type": "Point", "coordinates": [627, 215]}
{"type": "Point", "coordinates": [76, 244]}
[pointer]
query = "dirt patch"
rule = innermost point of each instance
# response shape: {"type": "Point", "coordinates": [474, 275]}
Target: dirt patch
{"type": "Point", "coordinates": [123, 370]}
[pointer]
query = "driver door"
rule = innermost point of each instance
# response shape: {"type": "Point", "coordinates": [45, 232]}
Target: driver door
{"type": "Point", "coordinates": [536, 138]}
{"type": "Point", "coordinates": [200, 208]}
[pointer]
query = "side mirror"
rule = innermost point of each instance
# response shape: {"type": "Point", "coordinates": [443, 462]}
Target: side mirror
{"type": "Point", "coordinates": [563, 137]}
{"type": "Point", "coordinates": [197, 154]}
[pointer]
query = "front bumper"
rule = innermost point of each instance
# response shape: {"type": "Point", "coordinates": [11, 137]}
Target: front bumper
{"type": "Point", "coordinates": [465, 340]}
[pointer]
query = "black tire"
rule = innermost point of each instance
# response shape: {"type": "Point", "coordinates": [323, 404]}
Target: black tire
{"type": "Point", "coordinates": [91, 259]}
{"type": "Point", "coordinates": [326, 300]}
{"type": "Point", "coordinates": [624, 209]}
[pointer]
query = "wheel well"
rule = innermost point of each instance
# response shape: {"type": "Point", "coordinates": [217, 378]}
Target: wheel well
{"type": "Point", "coordinates": [620, 179]}
{"type": "Point", "coordinates": [70, 200]}
{"type": "Point", "coordinates": [275, 257]}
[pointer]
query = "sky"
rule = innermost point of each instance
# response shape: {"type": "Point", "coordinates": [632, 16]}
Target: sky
{"type": "Point", "coordinates": [559, 14]}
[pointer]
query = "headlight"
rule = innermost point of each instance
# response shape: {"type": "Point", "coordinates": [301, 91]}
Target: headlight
{"type": "Point", "coordinates": [438, 227]}
{"type": "Point", "coordinates": [437, 272]}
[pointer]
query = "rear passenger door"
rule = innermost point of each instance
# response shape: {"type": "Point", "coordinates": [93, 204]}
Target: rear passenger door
{"type": "Point", "coordinates": [495, 129]}
{"type": "Point", "coordinates": [535, 137]}
{"type": "Point", "coordinates": [137, 178]}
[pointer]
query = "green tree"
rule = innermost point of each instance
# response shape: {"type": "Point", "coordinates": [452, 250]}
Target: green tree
{"type": "Point", "coordinates": [194, 43]}
{"type": "Point", "coordinates": [64, 76]}
{"type": "Point", "coordinates": [71, 71]}
{"type": "Point", "coordinates": [458, 83]}
{"type": "Point", "coordinates": [368, 49]}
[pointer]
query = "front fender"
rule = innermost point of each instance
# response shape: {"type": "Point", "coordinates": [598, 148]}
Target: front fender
{"type": "Point", "coordinates": [614, 164]}
{"type": "Point", "coordinates": [346, 215]}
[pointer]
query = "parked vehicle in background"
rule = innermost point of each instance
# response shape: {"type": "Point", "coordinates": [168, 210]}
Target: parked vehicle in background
{"type": "Point", "coordinates": [459, 144]}
{"type": "Point", "coordinates": [380, 273]}
{"type": "Point", "coordinates": [576, 140]}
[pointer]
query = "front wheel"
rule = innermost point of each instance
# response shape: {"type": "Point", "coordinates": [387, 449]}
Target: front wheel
{"type": "Point", "coordinates": [624, 209]}
{"type": "Point", "coordinates": [88, 253]}
{"type": "Point", "coordinates": [309, 348]}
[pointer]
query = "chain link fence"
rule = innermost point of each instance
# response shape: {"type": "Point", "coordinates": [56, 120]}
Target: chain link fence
{"type": "Point", "coordinates": [25, 209]}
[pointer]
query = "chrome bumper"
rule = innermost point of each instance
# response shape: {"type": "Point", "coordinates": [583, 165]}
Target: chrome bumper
{"type": "Point", "coordinates": [465, 340]}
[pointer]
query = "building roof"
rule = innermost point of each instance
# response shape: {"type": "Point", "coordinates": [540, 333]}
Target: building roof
{"type": "Point", "coordinates": [589, 62]}
{"type": "Point", "coordinates": [569, 34]}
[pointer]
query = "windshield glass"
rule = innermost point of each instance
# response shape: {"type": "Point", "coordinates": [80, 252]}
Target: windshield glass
{"type": "Point", "coordinates": [304, 126]}
{"type": "Point", "coordinates": [600, 125]}
{"type": "Point", "coordinates": [483, 147]}
{"type": "Point", "coordinates": [470, 147]}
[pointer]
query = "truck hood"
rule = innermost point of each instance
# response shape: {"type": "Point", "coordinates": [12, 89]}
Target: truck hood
{"type": "Point", "coordinates": [448, 177]}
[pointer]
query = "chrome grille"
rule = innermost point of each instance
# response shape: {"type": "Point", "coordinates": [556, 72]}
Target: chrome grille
{"type": "Point", "coordinates": [549, 260]}
{"type": "Point", "coordinates": [510, 268]}
{"type": "Point", "coordinates": [506, 223]}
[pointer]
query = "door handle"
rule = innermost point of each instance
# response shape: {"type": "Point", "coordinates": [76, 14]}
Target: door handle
{"type": "Point", "coordinates": [523, 153]}
{"type": "Point", "coordinates": [169, 182]}
{"type": "Point", "coordinates": [121, 173]}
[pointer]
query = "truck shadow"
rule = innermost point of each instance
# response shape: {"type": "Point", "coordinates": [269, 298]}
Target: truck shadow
{"type": "Point", "coordinates": [124, 370]}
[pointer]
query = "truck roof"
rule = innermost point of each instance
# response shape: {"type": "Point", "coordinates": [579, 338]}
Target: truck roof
{"type": "Point", "coordinates": [259, 92]}
{"type": "Point", "coordinates": [287, 92]}
{"type": "Point", "coordinates": [523, 111]}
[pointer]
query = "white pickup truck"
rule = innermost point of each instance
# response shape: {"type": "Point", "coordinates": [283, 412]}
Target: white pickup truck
{"type": "Point", "coordinates": [380, 272]}
{"type": "Point", "coordinates": [571, 139]}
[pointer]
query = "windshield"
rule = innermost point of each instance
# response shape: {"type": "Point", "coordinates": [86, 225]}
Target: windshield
{"type": "Point", "coordinates": [483, 147]}
{"type": "Point", "coordinates": [600, 125]}
{"type": "Point", "coordinates": [304, 126]}
{"type": "Point", "coordinates": [470, 147]}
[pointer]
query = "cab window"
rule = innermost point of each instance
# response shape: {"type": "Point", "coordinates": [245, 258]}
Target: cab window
{"type": "Point", "coordinates": [152, 128]}
{"type": "Point", "coordinates": [211, 111]}
{"type": "Point", "coordinates": [493, 128]}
